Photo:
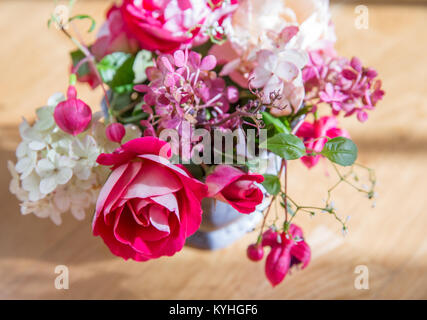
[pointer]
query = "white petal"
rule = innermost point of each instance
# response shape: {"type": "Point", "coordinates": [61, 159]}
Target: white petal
{"type": "Point", "coordinates": [48, 184]}
{"type": "Point", "coordinates": [22, 149]}
{"type": "Point", "coordinates": [260, 77]}
{"type": "Point", "coordinates": [44, 167]}
{"type": "Point", "coordinates": [66, 162]}
{"type": "Point", "coordinates": [23, 164]}
{"type": "Point", "coordinates": [78, 213]}
{"type": "Point", "coordinates": [287, 71]}
{"type": "Point", "coordinates": [62, 202]}
{"type": "Point", "coordinates": [56, 218]}
{"type": "Point", "coordinates": [54, 99]}
{"type": "Point", "coordinates": [299, 58]}
{"type": "Point", "coordinates": [37, 145]}
{"type": "Point", "coordinates": [64, 175]}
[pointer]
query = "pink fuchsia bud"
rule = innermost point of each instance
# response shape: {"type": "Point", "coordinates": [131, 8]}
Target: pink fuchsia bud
{"type": "Point", "coordinates": [362, 116]}
{"type": "Point", "coordinates": [255, 252]}
{"type": "Point", "coordinates": [72, 115]}
{"type": "Point", "coordinates": [115, 132]}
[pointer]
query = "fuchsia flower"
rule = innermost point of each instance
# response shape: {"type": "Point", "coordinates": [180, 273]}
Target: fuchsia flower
{"type": "Point", "coordinates": [115, 132]}
{"type": "Point", "coordinates": [183, 87]}
{"type": "Point", "coordinates": [168, 25]}
{"type": "Point", "coordinates": [287, 250]}
{"type": "Point", "coordinates": [148, 206]}
{"type": "Point", "coordinates": [231, 185]}
{"type": "Point", "coordinates": [316, 134]}
{"type": "Point", "coordinates": [72, 115]}
{"type": "Point", "coordinates": [255, 252]}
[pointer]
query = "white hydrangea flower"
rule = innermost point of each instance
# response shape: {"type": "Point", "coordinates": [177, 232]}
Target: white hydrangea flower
{"type": "Point", "coordinates": [56, 172]}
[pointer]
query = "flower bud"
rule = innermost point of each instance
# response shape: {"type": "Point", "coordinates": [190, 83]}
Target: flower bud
{"type": "Point", "coordinates": [72, 115]}
{"type": "Point", "coordinates": [255, 252]}
{"type": "Point", "coordinates": [115, 132]}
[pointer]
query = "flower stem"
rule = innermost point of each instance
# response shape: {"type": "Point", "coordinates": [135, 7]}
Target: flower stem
{"type": "Point", "coordinates": [90, 59]}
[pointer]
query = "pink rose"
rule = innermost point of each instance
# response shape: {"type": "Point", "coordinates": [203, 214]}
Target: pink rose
{"type": "Point", "coordinates": [315, 136]}
{"type": "Point", "coordinates": [114, 36]}
{"type": "Point", "coordinates": [231, 185]}
{"type": "Point", "coordinates": [148, 206]}
{"type": "Point", "coordinates": [167, 25]}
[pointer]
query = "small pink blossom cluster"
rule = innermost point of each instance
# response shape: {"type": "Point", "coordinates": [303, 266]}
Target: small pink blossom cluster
{"type": "Point", "coordinates": [184, 88]}
{"type": "Point", "coordinates": [346, 86]}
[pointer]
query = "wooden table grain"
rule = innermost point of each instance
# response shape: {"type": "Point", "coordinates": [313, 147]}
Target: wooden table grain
{"type": "Point", "coordinates": [390, 239]}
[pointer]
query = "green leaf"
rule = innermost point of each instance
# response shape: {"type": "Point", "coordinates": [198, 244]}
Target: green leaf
{"type": "Point", "coordinates": [340, 150]}
{"type": "Point", "coordinates": [76, 56]}
{"type": "Point", "coordinates": [85, 16]}
{"type": "Point", "coordinates": [275, 122]}
{"type": "Point", "coordinates": [271, 183]}
{"type": "Point", "coordinates": [287, 146]}
{"type": "Point", "coordinates": [143, 60]}
{"type": "Point", "coordinates": [116, 71]}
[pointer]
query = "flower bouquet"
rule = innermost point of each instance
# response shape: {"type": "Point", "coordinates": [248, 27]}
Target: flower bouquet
{"type": "Point", "coordinates": [204, 101]}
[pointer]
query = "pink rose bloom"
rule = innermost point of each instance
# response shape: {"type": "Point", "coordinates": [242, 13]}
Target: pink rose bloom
{"type": "Point", "coordinates": [167, 25]}
{"type": "Point", "coordinates": [287, 250]}
{"type": "Point", "coordinates": [315, 136]}
{"type": "Point", "coordinates": [231, 185]}
{"type": "Point", "coordinates": [148, 206]}
{"type": "Point", "coordinates": [114, 36]}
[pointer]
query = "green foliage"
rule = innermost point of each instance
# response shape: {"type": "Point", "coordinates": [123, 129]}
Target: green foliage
{"type": "Point", "coordinates": [340, 150]}
{"type": "Point", "coordinates": [143, 60]}
{"type": "Point", "coordinates": [116, 70]}
{"type": "Point", "coordinates": [85, 16]}
{"type": "Point", "coordinates": [287, 146]}
{"type": "Point", "coordinates": [271, 183]}
{"type": "Point", "coordinates": [76, 56]}
{"type": "Point", "coordinates": [276, 123]}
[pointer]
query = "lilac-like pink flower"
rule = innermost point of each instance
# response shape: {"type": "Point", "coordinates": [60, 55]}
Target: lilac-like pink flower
{"type": "Point", "coordinates": [287, 250]}
{"type": "Point", "coordinates": [184, 87]}
{"type": "Point", "coordinates": [334, 97]}
{"type": "Point", "coordinates": [345, 85]}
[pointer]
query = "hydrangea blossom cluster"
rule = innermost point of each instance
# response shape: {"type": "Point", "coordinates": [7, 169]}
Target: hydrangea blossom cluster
{"type": "Point", "coordinates": [57, 172]}
{"type": "Point", "coordinates": [345, 85]}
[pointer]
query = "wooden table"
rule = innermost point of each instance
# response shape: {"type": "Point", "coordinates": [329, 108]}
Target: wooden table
{"type": "Point", "coordinates": [390, 239]}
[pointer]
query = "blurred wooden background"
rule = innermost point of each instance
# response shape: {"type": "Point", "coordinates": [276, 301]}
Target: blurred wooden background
{"type": "Point", "coordinates": [390, 239]}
